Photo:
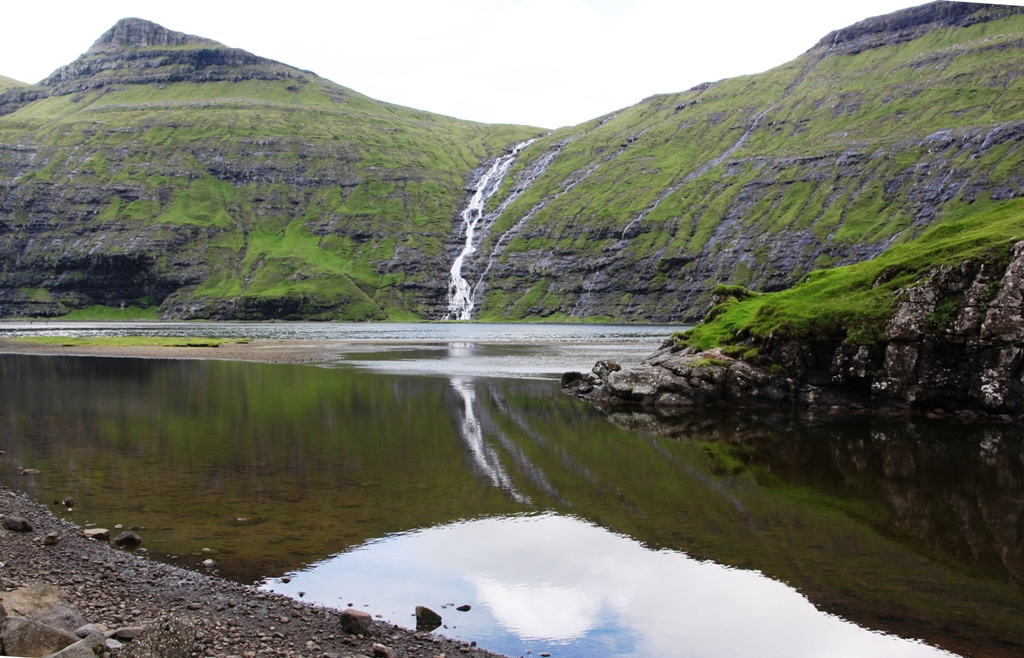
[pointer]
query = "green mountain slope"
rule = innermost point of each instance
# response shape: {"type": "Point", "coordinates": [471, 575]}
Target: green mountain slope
{"type": "Point", "coordinates": [169, 172]}
{"type": "Point", "coordinates": [878, 132]}
{"type": "Point", "coordinates": [9, 83]}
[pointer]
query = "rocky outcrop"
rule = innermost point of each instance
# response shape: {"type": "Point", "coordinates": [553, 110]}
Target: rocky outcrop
{"type": "Point", "coordinates": [955, 342]}
{"type": "Point", "coordinates": [138, 52]}
{"type": "Point", "coordinates": [140, 33]}
{"type": "Point", "coordinates": [910, 23]}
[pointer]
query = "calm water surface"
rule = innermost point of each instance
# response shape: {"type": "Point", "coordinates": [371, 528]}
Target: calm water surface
{"type": "Point", "coordinates": [377, 481]}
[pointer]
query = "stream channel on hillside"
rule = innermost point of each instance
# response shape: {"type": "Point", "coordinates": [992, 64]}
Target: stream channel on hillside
{"type": "Point", "coordinates": [441, 465]}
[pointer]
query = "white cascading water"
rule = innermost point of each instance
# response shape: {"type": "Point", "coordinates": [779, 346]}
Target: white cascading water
{"type": "Point", "coordinates": [460, 293]}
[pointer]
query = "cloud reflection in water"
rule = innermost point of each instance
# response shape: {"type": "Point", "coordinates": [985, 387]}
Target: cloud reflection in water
{"type": "Point", "coordinates": [556, 582]}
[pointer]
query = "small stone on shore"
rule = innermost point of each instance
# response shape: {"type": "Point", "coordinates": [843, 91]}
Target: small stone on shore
{"type": "Point", "coordinates": [17, 524]}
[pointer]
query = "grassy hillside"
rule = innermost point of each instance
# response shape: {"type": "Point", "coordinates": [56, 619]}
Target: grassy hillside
{"type": "Point", "coordinates": [854, 303]}
{"type": "Point", "coordinates": [862, 143]}
{"type": "Point", "coordinates": [179, 176]}
{"type": "Point", "coordinates": [179, 173]}
{"type": "Point", "coordinates": [8, 83]}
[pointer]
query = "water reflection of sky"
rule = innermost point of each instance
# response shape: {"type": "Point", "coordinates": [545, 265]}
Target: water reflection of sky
{"type": "Point", "coordinates": [490, 360]}
{"type": "Point", "coordinates": [440, 349]}
{"type": "Point", "coordinates": [554, 583]}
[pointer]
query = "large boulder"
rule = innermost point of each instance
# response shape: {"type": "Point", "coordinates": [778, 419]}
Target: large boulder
{"type": "Point", "coordinates": [27, 637]}
{"type": "Point", "coordinates": [355, 621]}
{"type": "Point", "coordinates": [46, 604]}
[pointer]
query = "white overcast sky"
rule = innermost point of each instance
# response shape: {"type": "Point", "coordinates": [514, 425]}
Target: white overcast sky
{"type": "Point", "coordinates": [546, 63]}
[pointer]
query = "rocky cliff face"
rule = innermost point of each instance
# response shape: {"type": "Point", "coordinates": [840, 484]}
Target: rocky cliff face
{"type": "Point", "coordinates": [955, 342]}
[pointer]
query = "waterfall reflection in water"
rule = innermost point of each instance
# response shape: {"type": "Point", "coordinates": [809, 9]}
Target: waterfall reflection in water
{"type": "Point", "coordinates": [485, 457]}
{"type": "Point", "coordinates": [740, 529]}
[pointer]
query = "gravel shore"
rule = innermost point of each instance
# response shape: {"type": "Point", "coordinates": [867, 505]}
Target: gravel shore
{"type": "Point", "coordinates": [117, 588]}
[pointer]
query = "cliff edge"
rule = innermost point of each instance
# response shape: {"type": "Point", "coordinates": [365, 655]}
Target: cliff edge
{"type": "Point", "coordinates": [954, 342]}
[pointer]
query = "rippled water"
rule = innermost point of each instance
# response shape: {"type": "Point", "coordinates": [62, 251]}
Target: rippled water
{"type": "Point", "coordinates": [558, 334]}
{"type": "Point", "coordinates": [568, 529]}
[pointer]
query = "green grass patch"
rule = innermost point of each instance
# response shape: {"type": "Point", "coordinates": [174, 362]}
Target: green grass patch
{"type": "Point", "coordinates": [854, 303]}
{"type": "Point", "coordinates": [112, 314]}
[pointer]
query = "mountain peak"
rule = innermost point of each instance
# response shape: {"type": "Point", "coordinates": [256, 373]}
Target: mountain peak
{"type": "Point", "coordinates": [139, 33]}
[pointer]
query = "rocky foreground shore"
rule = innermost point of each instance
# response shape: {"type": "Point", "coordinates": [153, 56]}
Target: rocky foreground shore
{"type": "Point", "coordinates": [954, 343]}
{"type": "Point", "coordinates": [69, 596]}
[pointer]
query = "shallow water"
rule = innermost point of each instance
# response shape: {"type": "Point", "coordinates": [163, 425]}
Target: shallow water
{"type": "Point", "coordinates": [397, 332]}
{"type": "Point", "coordinates": [568, 529]}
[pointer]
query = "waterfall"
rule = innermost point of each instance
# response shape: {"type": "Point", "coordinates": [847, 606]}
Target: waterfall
{"type": "Point", "coordinates": [460, 293]}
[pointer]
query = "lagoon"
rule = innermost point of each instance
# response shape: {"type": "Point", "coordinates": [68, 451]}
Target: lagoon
{"type": "Point", "coordinates": [446, 467]}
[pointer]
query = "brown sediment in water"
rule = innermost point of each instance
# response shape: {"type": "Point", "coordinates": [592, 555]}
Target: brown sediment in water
{"type": "Point", "coordinates": [118, 589]}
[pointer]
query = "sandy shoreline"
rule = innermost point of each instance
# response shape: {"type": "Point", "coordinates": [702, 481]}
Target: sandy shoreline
{"type": "Point", "coordinates": [117, 589]}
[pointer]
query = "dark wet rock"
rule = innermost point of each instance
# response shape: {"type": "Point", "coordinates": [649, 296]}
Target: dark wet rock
{"type": "Point", "coordinates": [128, 539]}
{"type": "Point", "coordinates": [569, 378]}
{"type": "Point", "coordinates": [27, 637]}
{"type": "Point", "coordinates": [426, 619]}
{"type": "Point", "coordinates": [464, 608]}
{"type": "Point", "coordinates": [17, 524]}
{"type": "Point", "coordinates": [945, 345]}
{"type": "Point", "coordinates": [355, 621]}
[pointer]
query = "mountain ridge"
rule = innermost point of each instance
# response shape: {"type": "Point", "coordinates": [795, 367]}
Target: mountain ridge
{"type": "Point", "coordinates": [140, 33]}
{"type": "Point", "coordinates": [876, 133]}
{"type": "Point", "coordinates": [209, 182]}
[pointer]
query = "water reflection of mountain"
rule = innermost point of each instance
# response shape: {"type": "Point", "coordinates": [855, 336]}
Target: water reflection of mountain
{"type": "Point", "coordinates": [906, 527]}
{"type": "Point", "coordinates": [909, 528]}
{"type": "Point", "coordinates": [942, 486]}
{"type": "Point", "coordinates": [920, 521]}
